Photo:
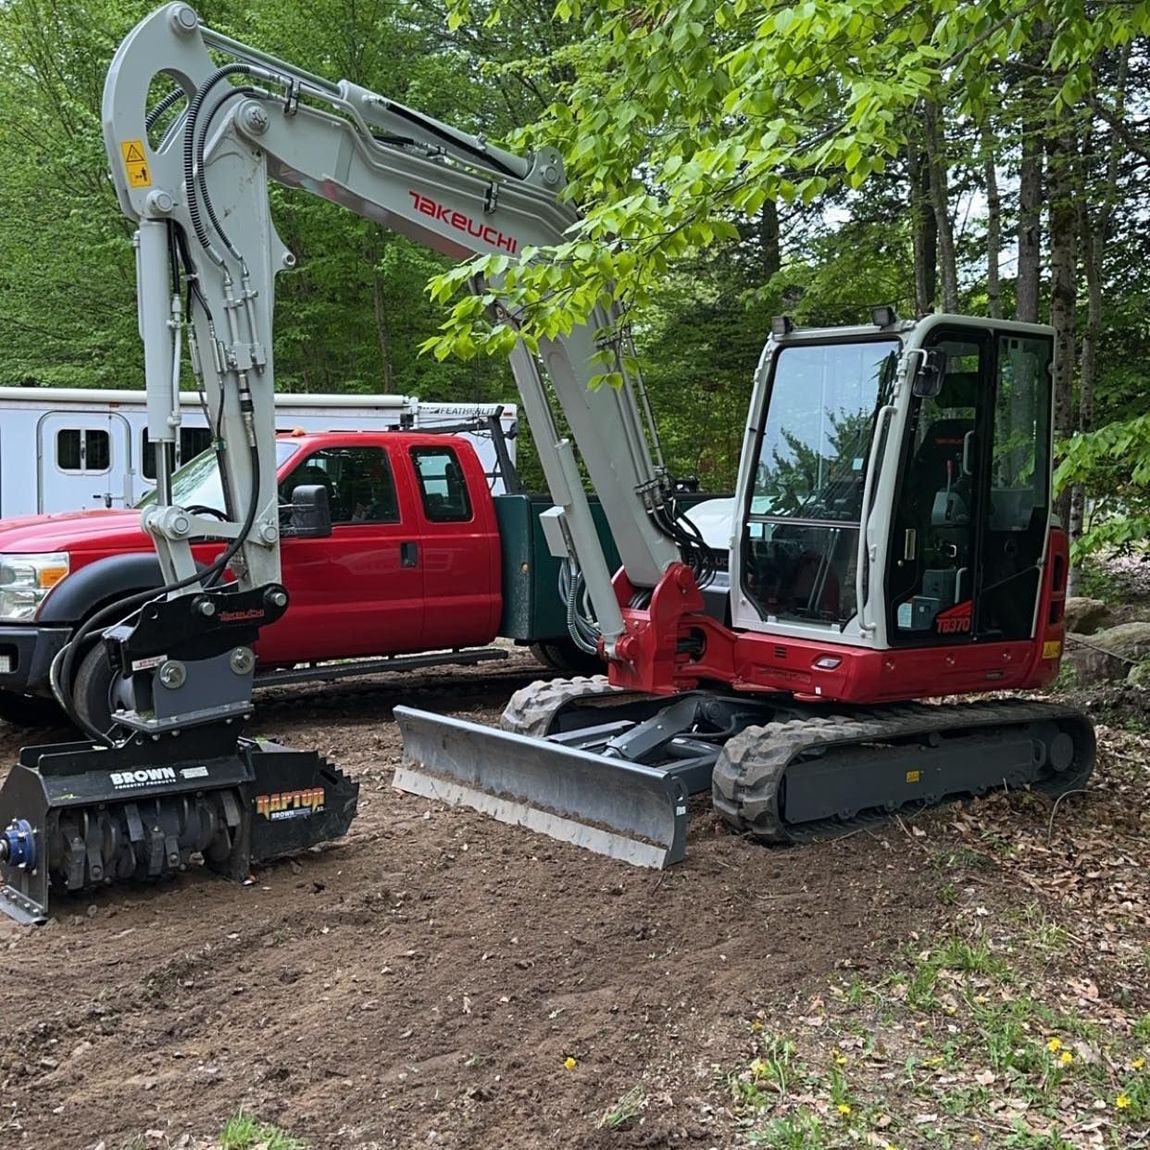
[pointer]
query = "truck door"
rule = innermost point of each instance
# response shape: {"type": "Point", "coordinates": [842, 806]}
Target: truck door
{"type": "Point", "coordinates": [360, 591]}
{"type": "Point", "coordinates": [83, 460]}
{"type": "Point", "coordinates": [460, 553]}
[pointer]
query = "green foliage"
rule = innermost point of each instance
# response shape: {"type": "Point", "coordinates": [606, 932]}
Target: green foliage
{"type": "Point", "coordinates": [1113, 463]}
{"type": "Point", "coordinates": [681, 117]}
{"type": "Point", "coordinates": [243, 1132]}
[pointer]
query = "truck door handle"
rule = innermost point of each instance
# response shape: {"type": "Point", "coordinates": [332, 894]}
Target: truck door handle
{"type": "Point", "coordinates": [409, 554]}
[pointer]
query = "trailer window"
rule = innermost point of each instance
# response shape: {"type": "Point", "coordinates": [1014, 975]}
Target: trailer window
{"type": "Point", "coordinates": [87, 450]}
{"type": "Point", "coordinates": [193, 440]}
{"type": "Point", "coordinates": [441, 485]}
{"type": "Point", "coordinates": [360, 486]}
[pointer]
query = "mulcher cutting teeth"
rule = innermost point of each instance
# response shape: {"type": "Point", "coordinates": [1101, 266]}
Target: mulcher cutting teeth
{"type": "Point", "coordinates": [76, 817]}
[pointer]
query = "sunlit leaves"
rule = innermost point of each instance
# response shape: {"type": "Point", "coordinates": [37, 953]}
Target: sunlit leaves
{"type": "Point", "coordinates": [681, 117]}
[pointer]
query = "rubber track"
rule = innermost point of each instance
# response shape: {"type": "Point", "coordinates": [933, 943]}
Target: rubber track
{"type": "Point", "coordinates": [532, 709]}
{"type": "Point", "coordinates": [749, 774]}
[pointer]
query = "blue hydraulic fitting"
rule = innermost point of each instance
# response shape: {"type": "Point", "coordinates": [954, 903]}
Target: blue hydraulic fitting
{"type": "Point", "coordinates": [18, 845]}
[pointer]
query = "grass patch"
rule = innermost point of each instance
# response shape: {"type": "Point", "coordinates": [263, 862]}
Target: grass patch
{"type": "Point", "coordinates": [625, 1112]}
{"type": "Point", "coordinates": [243, 1132]}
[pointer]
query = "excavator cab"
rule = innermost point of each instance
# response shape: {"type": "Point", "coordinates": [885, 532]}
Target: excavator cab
{"type": "Point", "coordinates": [897, 489]}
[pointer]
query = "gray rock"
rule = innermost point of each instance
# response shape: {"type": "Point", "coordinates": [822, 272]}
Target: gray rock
{"type": "Point", "coordinates": [1109, 655]}
{"type": "Point", "coordinates": [1085, 616]}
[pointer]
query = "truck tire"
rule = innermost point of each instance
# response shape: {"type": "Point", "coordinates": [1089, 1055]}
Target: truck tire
{"type": "Point", "coordinates": [30, 710]}
{"type": "Point", "coordinates": [94, 688]}
{"type": "Point", "coordinates": [564, 656]}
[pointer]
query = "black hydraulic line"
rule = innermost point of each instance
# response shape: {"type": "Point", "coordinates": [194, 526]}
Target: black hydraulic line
{"type": "Point", "coordinates": [153, 117]}
{"type": "Point", "coordinates": [480, 153]}
{"type": "Point", "coordinates": [189, 144]}
{"type": "Point", "coordinates": [202, 188]}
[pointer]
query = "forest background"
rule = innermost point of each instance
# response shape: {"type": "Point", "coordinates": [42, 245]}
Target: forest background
{"type": "Point", "coordinates": [732, 160]}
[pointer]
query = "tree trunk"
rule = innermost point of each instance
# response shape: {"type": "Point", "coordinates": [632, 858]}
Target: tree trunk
{"type": "Point", "coordinates": [1029, 223]}
{"type": "Point", "coordinates": [924, 231]}
{"type": "Point", "coordinates": [993, 226]}
{"type": "Point", "coordinates": [769, 239]}
{"type": "Point", "coordinates": [935, 138]}
{"type": "Point", "coordinates": [1063, 285]}
{"type": "Point", "coordinates": [1094, 232]}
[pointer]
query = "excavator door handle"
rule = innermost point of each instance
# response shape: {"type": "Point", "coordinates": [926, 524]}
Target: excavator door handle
{"type": "Point", "coordinates": [409, 554]}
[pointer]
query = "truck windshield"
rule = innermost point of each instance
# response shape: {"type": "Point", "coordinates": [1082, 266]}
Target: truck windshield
{"type": "Point", "coordinates": [806, 502]}
{"type": "Point", "coordinates": [197, 483]}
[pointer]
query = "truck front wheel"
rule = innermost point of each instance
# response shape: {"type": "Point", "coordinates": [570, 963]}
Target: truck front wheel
{"type": "Point", "coordinates": [94, 693]}
{"type": "Point", "coordinates": [564, 656]}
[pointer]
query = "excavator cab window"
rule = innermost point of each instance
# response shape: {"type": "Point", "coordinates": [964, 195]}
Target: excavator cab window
{"type": "Point", "coordinates": [806, 504]}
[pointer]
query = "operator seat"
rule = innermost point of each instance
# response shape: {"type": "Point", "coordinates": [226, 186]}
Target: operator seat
{"type": "Point", "coordinates": [937, 468]}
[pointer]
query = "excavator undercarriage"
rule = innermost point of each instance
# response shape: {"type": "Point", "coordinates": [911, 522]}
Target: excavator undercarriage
{"type": "Point", "coordinates": [612, 771]}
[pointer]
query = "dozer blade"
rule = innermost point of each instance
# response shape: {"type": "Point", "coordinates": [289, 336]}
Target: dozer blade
{"type": "Point", "coordinates": [611, 806]}
{"type": "Point", "coordinates": [74, 817]}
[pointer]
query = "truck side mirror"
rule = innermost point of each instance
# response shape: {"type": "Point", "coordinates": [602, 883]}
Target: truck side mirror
{"type": "Point", "coordinates": [928, 379]}
{"type": "Point", "coordinates": [310, 514]}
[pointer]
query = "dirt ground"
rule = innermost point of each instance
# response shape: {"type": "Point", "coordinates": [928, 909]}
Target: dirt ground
{"type": "Point", "coordinates": [429, 980]}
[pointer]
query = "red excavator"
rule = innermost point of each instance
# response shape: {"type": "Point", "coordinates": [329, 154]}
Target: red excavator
{"type": "Point", "coordinates": [890, 539]}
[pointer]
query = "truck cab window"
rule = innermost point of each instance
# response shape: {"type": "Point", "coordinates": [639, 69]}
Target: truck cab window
{"type": "Point", "coordinates": [441, 485]}
{"type": "Point", "coordinates": [359, 482]}
{"type": "Point", "coordinates": [83, 450]}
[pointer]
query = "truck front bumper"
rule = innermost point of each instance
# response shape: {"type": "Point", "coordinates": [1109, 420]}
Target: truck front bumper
{"type": "Point", "coordinates": [26, 654]}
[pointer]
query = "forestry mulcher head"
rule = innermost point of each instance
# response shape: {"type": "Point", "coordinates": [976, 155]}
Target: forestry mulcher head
{"type": "Point", "coordinates": [74, 817]}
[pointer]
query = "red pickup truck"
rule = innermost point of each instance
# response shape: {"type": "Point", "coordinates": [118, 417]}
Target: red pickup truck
{"type": "Point", "coordinates": [420, 558]}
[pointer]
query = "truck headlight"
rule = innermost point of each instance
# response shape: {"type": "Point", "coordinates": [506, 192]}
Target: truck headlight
{"type": "Point", "coordinates": [25, 580]}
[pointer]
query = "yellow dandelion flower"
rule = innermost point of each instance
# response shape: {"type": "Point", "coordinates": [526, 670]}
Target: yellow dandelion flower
{"type": "Point", "coordinates": [976, 1137]}
{"type": "Point", "coordinates": [1054, 1045]}
{"type": "Point", "coordinates": [1066, 1058]}
{"type": "Point", "coordinates": [570, 1062]}
{"type": "Point", "coordinates": [1138, 1064]}
{"type": "Point", "coordinates": [840, 1058]}
{"type": "Point", "coordinates": [756, 1026]}
{"type": "Point", "coordinates": [1122, 1101]}
{"type": "Point", "coordinates": [844, 1108]}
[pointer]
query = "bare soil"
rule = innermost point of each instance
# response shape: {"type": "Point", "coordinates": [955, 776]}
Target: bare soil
{"type": "Point", "coordinates": [429, 980]}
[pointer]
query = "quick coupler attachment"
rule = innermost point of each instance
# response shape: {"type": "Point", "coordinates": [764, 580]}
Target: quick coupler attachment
{"type": "Point", "coordinates": [76, 817]}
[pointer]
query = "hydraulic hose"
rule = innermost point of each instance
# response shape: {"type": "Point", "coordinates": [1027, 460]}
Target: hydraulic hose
{"type": "Point", "coordinates": [190, 151]}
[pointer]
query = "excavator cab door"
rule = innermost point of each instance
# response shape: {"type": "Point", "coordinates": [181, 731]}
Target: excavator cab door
{"type": "Point", "coordinates": [971, 516]}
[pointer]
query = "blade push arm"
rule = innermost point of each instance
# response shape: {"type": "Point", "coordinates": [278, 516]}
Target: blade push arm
{"type": "Point", "coordinates": [200, 197]}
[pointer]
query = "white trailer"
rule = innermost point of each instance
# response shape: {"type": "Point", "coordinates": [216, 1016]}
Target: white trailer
{"type": "Point", "coordinates": [65, 449]}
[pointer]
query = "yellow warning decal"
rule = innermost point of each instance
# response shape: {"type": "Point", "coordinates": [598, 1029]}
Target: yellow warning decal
{"type": "Point", "coordinates": [914, 776]}
{"type": "Point", "coordinates": [1052, 649]}
{"type": "Point", "coordinates": [136, 163]}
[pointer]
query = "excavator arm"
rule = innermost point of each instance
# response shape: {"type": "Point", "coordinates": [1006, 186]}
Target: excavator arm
{"type": "Point", "coordinates": [197, 126]}
{"type": "Point", "coordinates": [199, 195]}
